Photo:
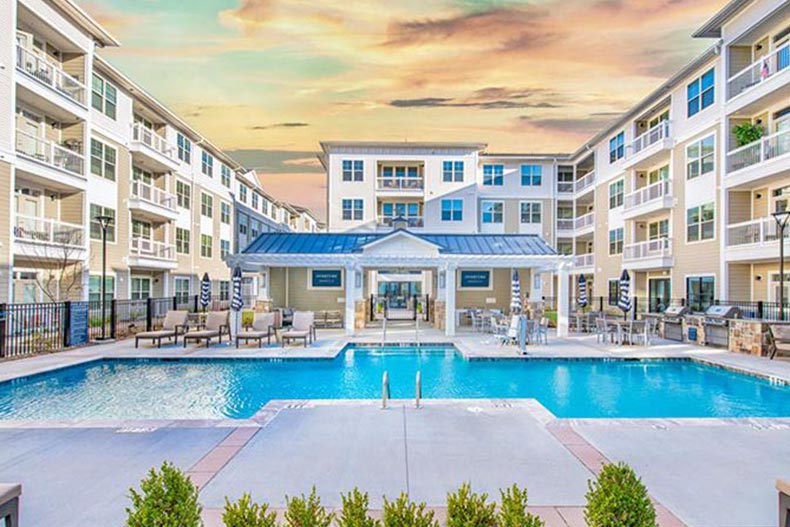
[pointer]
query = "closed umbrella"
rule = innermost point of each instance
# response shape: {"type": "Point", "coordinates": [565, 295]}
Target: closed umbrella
{"type": "Point", "coordinates": [624, 302]}
{"type": "Point", "coordinates": [237, 302]}
{"type": "Point", "coordinates": [515, 294]}
{"type": "Point", "coordinates": [582, 292]}
{"type": "Point", "coordinates": [205, 291]}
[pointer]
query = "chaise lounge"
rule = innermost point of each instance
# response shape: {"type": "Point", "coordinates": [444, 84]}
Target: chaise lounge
{"type": "Point", "coordinates": [303, 328]}
{"type": "Point", "coordinates": [173, 326]}
{"type": "Point", "coordinates": [262, 328]}
{"type": "Point", "coordinates": [779, 340]}
{"type": "Point", "coordinates": [217, 324]}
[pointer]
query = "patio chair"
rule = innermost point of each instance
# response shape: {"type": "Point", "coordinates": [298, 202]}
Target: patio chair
{"type": "Point", "coordinates": [541, 331]}
{"type": "Point", "coordinates": [173, 326]}
{"type": "Point", "coordinates": [262, 328]}
{"type": "Point", "coordinates": [635, 332]}
{"type": "Point", "coordinates": [511, 335]}
{"type": "Point", "coordinates": [303, 328]}
{"type": "Point", "coordinates": [217, 324]}
{"type": "Point", "coordinates": [778, 340]}
{"type": "Point", "coordinates": [604, 332]}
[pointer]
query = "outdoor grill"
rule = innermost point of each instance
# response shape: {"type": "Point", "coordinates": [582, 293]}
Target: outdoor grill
{"type": "Point", "coordinates": [717, 324]}
{"type": "Point", "coordinates": [673, 322]}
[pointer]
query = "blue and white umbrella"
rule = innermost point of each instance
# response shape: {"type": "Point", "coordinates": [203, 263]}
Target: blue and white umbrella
{"type": "Point", "coordinates": [237, 302]}
{"type": "Point", "coordinates": [515, 294]}
{"type": "Point", "coordinates": [205, 291]}
{"type": "Point", "coordinates": [624, 302]}
{"type": "Point", "coordinates": [583, 301]}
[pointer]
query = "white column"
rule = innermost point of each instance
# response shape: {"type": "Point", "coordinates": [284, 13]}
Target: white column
{"type": "Point", "coordinates": [351, 298]}
{"type": "Point", "coordinates": [449, 302]}
{"type": "Point", "coordinates": [563, 301]}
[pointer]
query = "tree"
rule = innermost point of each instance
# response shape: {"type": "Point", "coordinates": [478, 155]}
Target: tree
{"type": "Point", "coordinates": [58, 253]}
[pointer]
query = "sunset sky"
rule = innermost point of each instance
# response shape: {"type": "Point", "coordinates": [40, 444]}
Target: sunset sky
{"type": "Point", "coordinates": [269, 79]}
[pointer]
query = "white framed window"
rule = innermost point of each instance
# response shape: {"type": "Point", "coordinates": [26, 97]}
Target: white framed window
{"type": "Point", "coordinates": [452, 171]}
{"type": "Point", "coordinates": [531, 212]}
{"type": "Point", "coordinates": [452, 210]}
{"type": "Point", "coordinates": [255, 200]}
{"type": "Point", "coordinates": [183, 194]}
{"type": "Point", "coordinates": [616, 194]}
{"type": "Point", "coordinates": [181, 291]}
{"type": "Point", "coordinates": [531, 175]}
{"type": "Point", "coordinates": [657, 230]}
{"type": "Point", "coordinates": [701, 157]}
{"type": "Point", "coordinates": [207, 164]}
{"type": "Point", "coordinates": [206, 205]}
{"type": "Point", "coordinates": [224, 290]}
{"type": "Point", "coordinates": [95, 226]}
{"type": "Point", "coordinates": [493, 175]}
{"type": "Point", "coordinates": [182, 240]}
{"type": "Point", "coordinates": [141, 288]}
{"type": "Point", "coordinates": [616, 241]}
{"type": "Point", "coordinates": [94, 288]}
{"type": "Point", "coordinates": [104, 97]}
{"type": "Point", "coordinates": [224, 212]}
{"type": "Point", "coordinates": [225, 175]}
{"type": "Point", "coordinates": [224, 248]}
{"type": "Point", "coordinates": [141, 229]}
{"type": "Point", "coordinates": [614, 291]}
{"type": "Point", "coordinates": [701, 92]}
{"type": "Point", "coordinates": [700, 223]}
{"type": "Point", "coordinates": [206, 246]}
{"type": "Point", "coordinates": [617, 147]}
{"type": "Point", "coordinates": [492, 212]}
{"type": "Point", "coordinates": [103, 160]}
{"type": "Point", "coordinates": [353, 209]}
{"type": "Point", "coordinates": [353, 169]}
{"type": "Point", "coordinates": [184, 148]}
{"type": "Point", "coordinates": [243, 193]}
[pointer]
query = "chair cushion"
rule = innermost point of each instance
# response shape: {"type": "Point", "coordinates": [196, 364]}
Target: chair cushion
{"type": "Point", "coordinates": [205, 333]}
{"type": "Point", "coordinates": [175, 318]}
{"type": "Point", "coordinates": [252, 334]}
{"type": "Point", "coordinates": [263, 321]}
{"type": "Point", "coordinates": [155, 334]}
{"type": "Point", "coordinates": [295, 334]}
{"type": "Point", "coordinates": [216, 319]}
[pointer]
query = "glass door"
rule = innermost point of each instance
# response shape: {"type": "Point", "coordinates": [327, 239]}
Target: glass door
{"type": "Point", "coordinates": [659, 294]}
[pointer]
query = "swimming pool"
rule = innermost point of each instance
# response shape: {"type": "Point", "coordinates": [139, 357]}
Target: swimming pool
{"type": "Point", "coordinates": [238, 388]}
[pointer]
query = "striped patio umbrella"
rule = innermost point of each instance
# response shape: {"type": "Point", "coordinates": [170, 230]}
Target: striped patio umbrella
{"type": "Point", "coordinates": [205, 291]}
{"type": "Point", "coordinates": [515, 294]}
{"type": "Point", "coordinates": [583, 301]}
{"type": "Point", "coordinates": [237, 302]}
{"type": "Point", "coordinates": [624, 302]}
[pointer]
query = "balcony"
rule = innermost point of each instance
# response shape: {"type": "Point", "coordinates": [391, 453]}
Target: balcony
{"type": "Point", "coordinates": [398, 185]}
{"type": "Point", "coordinates": [45, 238]}
{"type": "Point", "coordinates": [648, 200]}
{"type": "Point", "coordinates": [152, 151]}
{"type": "Point", "coordinates": [765, 158]}
{"type": "Point", "coordinates": [584, 183]}
{"type": "Point", "coordinates": [584, 224]}
{"type": "Point", "coordinates": [412, 222]}
{"type": "Point", "coordinates": [646, 149]}
{"type": "Point", "coordinates": [584, 262]}
{"type": "Point", "coordinates": [46, 159]}
{"type": "Point", "coordinates": [152, 202]}
{"type": "Point", "coordinates": [44, 78]}
{"type": "Point", "coordinates": [652, 254]}
{"type": "Point", "coordinates": [565, 187]}
{"type": "Point", "coordinates": [759, 79]}
{"type": "Point", "coordinates": [754, 240]}
{"type": "Point", "coordinates": [565, 227]}
{"type": "Point", "coordinates": [150, 254]}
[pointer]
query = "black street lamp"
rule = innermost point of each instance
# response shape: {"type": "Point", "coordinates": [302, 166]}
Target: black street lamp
{"type": "Point", "coordinates": [782, 218]}
{"type": "Point", "coordinates": [104, 222]}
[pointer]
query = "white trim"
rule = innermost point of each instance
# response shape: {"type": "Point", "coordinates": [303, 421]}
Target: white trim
{"type": "Point", "coordinates": [397, 233]}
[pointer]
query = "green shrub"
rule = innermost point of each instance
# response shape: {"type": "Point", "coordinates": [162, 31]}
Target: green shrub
{"type": "Point", "coordinates": [167, 498]}
{"type": "Point", "coordinates": [513, 509]}
{"type": "Point", "coordinates": [618, 499]}
{"type": "Point", "coordinates": [355, 510]}
{"type": "Point", "coordinates": [747, 133]}
{"type": "Point", "coordinates": [307, 511]}
{"type": "Point", "coordinates": [244, 513]}
{"type": "Point", "coordinates": [404, 513]}
{"type": "Point", "coordinates": [469, 509]}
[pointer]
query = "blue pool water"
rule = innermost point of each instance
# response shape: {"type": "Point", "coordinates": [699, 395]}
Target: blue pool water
{"type": "Point", "coordinates": [238, 388]}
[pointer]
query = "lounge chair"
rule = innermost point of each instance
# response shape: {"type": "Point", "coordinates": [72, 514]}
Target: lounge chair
{"type": "Point", "coordinates": [303, 328]}
{"type": "Point", "coordinates": [173, 326]}
{"type": "Point", "coordinates": [217, 324]}
{"type": "Point", "coordinates": [778, 340]}
{"type": "Point", "coordinates": [262, 328]}
{"type": "Point", "coordinates": [511, 335]}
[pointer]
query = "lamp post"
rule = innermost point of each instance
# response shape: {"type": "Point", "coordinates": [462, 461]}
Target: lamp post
{"type": "Point", "coordinates": [104, 222]}
{"type": "Point", "coordinates": [781, 218]}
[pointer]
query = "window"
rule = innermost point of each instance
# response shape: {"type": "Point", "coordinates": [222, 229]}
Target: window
{"type": "Point", "coordinates": [224, 290]}
{"type": "Point", "coordinates": [102, 160]}
{"type": "Point", "coordinates": [224, 212]}
{"type": "Point", "coordinates": [141, 229]}
{"type": "Point", "coordinates": [353, 169]}
{"type": "Point", "coordinates": [452, 210]}
{"type": "Point", "coordinates": [700, 157]}
{"type": "Point", "coordinates": [616, 194]}
{"type": "Point", "coordinates": [453, 171]}
{"type": "Point", "coordinates": [224, 248]}
{"type": "Point", "coordinates": [565, 248]}
{"type": "Point", "coordinates": [206, 205]}
{"type": "Point", "coordinates": [493, 175]}
{"type": "Point", "coordinates": [660, 174]}
{"type": "Point", "coordinates": [531, 212]}
{"type": "Point", "coordinates": [243, 224]}
{"type": "Point", "coordinates": [352, 209]}
{"type": "Point", "coordinates": [492, 211]}
{"type": "Point", "coordinates": [617, 147]}
{"type": "Point", "coordinates": [225, 175]}
{"type": "Point", "coordinates": [616, 241]}
{"type": "Point", "coordinates": [184, 148]}
{"type": "Point", "coordinates": [94, 289]}
{"type": "Point", "coordinates": [183, 194]}
{"type": "Point", "coordinates": [701, 93]}
{"type": "Point", "coordinates": [255, 228]}
{"type": "Point", "coordinates": [141, 288]}
{"type": "Point", "coordinates": [658, 229]}
{"type": "Point", "coordinates": [206, 246]}
{"type": "Point", "coordinates": [182, 240]}
{"type": "Point", "coordinates": [699, 223]}
{"type": "Point", "coordinates": [700, 291]}
{"type": "Point", "coordinates": [104, 97]}
{"type": "Point", "coordinates": [531, 175]}
{"type": "Point", "coordinates": [181, 289]}
{"type": "Point", "coordinates": [243, 193]}
{"type": "Point", "coordinates": [255, 200]}
{"type": "Point", "coordinates": [614, 291]}
{"type": "Point", "coordinates": [95, 226]}
{"type": "Point", "coordinates": [138, 174]}
{"type": "Point", "coordinates": [207, 163]}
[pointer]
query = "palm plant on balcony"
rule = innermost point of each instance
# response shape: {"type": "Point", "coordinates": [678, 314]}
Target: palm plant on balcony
{"type": "Point", "coordinates": [747, 133]}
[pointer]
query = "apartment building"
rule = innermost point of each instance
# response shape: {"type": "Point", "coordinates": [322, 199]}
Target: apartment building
{"type": "Point", "coordinates": [78, 140]}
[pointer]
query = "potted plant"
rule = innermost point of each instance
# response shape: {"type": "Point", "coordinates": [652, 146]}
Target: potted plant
{"type": "Point", "coordinates": [747, 133]}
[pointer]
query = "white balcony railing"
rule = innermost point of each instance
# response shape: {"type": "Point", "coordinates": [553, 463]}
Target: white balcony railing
{"type": "Point", "coordinates": [152, 249]}
{"type": "Point", "coordinates": [660, 248]}
{"type": "Point", "coordinates": [657, 133]}
{"type": "Point", "coordinates": [152, 194]}
{"type": "Point", "coordinates": [761, 230]}
{"type": "Point", "coordinates": [49, 153]}
{"type": "Point", "coordinates": [584, 182]}
{"type": "Point", "coordinates": [48, 231]}
{"type": "Point", "coordinates": [585, 260]}
{"type": "Point", "coordinates": [152, 140]}
{"type": "Point", "coordinates": [759, 71]}
{"type": "Point", "coordinates": [565, 187]}
{"type": "Point", "coordinates": [399, 183]}
{"type": "Point", "coordinates": [411, 221]}
{"type": "Point", "coordinates": [565, 224]}
{"type": "Point", "coordinates": [647, 194]}
{"type": "Point", "coordinates": [585, 220]}
{"type": "Point", "coordinates": [50, 75]}
{"type": "Point", "coordinates": [759, 151]}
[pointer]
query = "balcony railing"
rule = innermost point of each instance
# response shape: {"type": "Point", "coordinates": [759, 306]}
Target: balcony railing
{"type": "Point", "coordinates": [48, 231]}
{"type": "Point", "coordinates": [585, 220]}
{"type": "Point", "coordinates": [647, 194]}
{"type": "Point", "coordinates": [152, 194]}
{"type": "Point", "coordinates": [151, 249]}
{"type": "Point", "coordinates": [152, 140]}
{"type": "Point", "coordinates": [565, 187]}
{"type": "Point", "coordinates": [657, 133]}
{"type": "Point", "coordinates": [759, 71]}
{"type": "Point", "coordinates": [411, 221]}
{"type": "Point", "coordinates": [49, 153]}
{"type": "Point", "coordinates": [759, 151]}
{"type": "Point", "coordinates": [565, 224]}
{"type": "Point", "coordinates": [761, 230]}
{"type": "Point", "coordinates": [399, 183]}
{"type": "Point", "coordinates": [660, 248]}
{"type": "Point", "coordinates": [50, 75]}
{"type": "Point", "coordinates": [584, 182]}
{"type": "Point", "coordinates": [585, 260]}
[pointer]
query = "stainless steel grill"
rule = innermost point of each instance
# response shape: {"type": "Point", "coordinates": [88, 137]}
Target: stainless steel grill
{"type": "Point", "coordinates": [717, 324]}
{"type": "Point", "coordinates": [673, 322]}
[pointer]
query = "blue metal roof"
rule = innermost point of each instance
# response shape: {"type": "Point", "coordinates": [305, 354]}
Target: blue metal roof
{"type": "Point", "coordinates": [354, 242]}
